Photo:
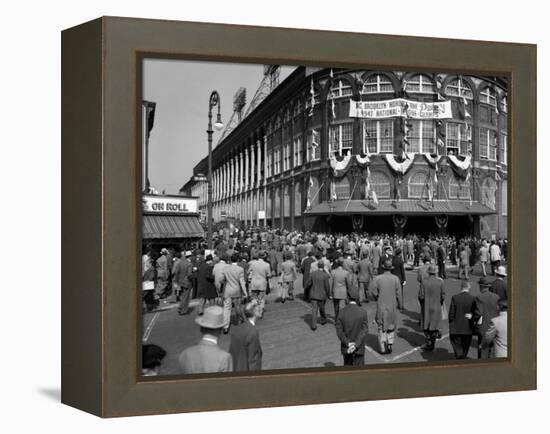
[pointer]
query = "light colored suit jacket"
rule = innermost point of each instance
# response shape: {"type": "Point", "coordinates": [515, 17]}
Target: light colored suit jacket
{"type": "Point", "coordinates": [205, 357]}
{"type": "Point", "coordinates": [498, 334]}
{"type": "Point", "coordinates": [260, 272]}
{"type": "Point", "coordinates": [339, 289]}
{"type": "Point", "coordinates": [218, 274]}
{"type": "Point", "coordinates": [235, 285]}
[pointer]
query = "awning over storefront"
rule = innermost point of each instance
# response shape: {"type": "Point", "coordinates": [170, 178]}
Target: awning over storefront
{"type": "Point", "coordinates": [404, 207]}
{"type": "Point", "coordinates": [171, 226]}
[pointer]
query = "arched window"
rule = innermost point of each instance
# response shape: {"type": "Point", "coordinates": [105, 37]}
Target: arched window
{"type": "Point", "coordinates": [459, 87]}
{"type": "Point", "coordinates": [339, 89]}
{"type": "Point", "coordinates": [286, 205]}
{"type": "Point", "coordinates": [277, 210]}
{"type": "Point", "coordinates": [420, 83]}
{"type": "Point", "coordinates": [342, 188]}
{"type": "Point", "coordinates": [297, 199]}
{"type": "Point", "coordinates": [418, 185]}
{"type": "Point", "coordinates": [488, 192]}
{"type": "Point", "coordinates": [380, 183]}
{"type": "Point", "coordinates": [268, 205]}
{"type": "Point", "coordinates": [459, 189]}
{"type": "Point", "coordinates": [377, 84]}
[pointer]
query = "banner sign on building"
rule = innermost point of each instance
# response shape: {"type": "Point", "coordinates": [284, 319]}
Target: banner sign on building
{"type": "Point", "coordinates": [400, 107]}
{"type": "Point", "coordinates": [168, 205]}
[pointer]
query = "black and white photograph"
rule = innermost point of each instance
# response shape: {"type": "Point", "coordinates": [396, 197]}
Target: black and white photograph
{"type": "Point", "coordinates": [300, 217]}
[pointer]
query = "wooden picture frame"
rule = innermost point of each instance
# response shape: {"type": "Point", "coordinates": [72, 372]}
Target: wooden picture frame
{"type": "Point", "coordinates": [101, 216]}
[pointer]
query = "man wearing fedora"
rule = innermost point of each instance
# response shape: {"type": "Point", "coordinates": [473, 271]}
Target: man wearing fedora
{"type": "Point", "coordinates": [432, 297]}
{"type": "Point", "coordinates": [245, 347]}
{"type": "Point", "coordinates": [387, 293]}
{"type": "Point", "coordinates": [181, 272]}
{"type": "Point", "coordinates": [207, 356]}
{"type": "Point", "coordinates": [206, 291]}
{"type": "Point", "coordinates": [352, 328]}
{"type": "Point", "coordinates": [499, 284]}
{"type": "Point", "coordinates": [318, 286]}
{"type": "Point", "coordinates": [463, 314]}
{"type": "Point", "coordinates": [488, 306]}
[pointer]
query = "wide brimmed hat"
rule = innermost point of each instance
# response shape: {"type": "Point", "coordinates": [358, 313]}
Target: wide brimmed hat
{"type": "Point", "coordinates": [387, 265]}
{"type": "Point", "coordinates": [212, 318]}
{"type": "Point", "coordinates": [188, 253]}
{"type": "Point", "coordinates": [501, 270]}
{"type": "Point", "coordinates": [432, 269]}
{"type": "Point", "coordinates": [483, 281]}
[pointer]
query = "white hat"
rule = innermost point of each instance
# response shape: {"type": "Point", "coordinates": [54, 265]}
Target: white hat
{"type": "Point", "coordinates": [501, 270]}
{"type": "Point", "coordinates": [188, 253]}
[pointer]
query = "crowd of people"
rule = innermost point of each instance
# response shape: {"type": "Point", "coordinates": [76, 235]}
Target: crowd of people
{"type": "Point", "coordinates": [233, 279]}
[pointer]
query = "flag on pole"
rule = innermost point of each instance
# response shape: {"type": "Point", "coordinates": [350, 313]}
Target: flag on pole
{"type": "Point", "coordinates": [309, 192]}
{"type": "Point", "coordinates": [333, 195]}
{"type": "Point", "coordinates": [333, 108]}
{"type": "Point", "coordinates": [365, 136]}
{"type": "Point", "coordinates": [312, 96]}
{"type": "Point", "coordinates": [149, 115]}
{"type": "Point", "coordinates": [374, 197]}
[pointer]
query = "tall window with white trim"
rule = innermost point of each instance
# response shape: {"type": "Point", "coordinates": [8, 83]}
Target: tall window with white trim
{"type": "Point", "coordinates": [458, 138]}
{"type": "Point", "coordinates": [418, 185]}
{"type": "Point", "coordinates": [421, 136]}
{"type": "Point", "coordinates": [378, 136]}
{"type": "Point", "coordinates": [340, 89]}
{"type": "Point", "coordinates": [341, 139]}
{"type": "Point", "coordinates": [297, 147]}
{"type": "Point", "coordinates": [488, 144]}
{"type": "Point", "coordinates": [314, 145]}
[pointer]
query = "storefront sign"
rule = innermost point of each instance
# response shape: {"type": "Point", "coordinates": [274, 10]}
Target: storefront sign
{"type": "Point", "coordinates": [261, 214]}
{"type": "Point", "coordinates": [400, 107]}
{"type": "Point", "coordinates": [168, 205]}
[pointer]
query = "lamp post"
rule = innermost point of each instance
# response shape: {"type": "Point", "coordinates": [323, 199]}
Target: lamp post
{"type": "Point", "coordinates": [218, 125]}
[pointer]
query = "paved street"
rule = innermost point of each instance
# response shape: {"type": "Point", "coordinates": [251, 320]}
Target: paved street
{"type": "Point", "coordinates": [288, 342]}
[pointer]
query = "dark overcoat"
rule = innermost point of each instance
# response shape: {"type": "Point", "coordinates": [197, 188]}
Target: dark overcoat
{"type": "Point", "coordinates": [432, 294]}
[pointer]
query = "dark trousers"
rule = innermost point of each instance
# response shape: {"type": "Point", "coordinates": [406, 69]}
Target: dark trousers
{"type": "Point", "coordinates": [185, 295]}
{"type": "Point", "coordinates": [441, 269]}
{"type": "Point", "coordinates": [430, 336]}
{"type": "Point", "coordinates": [354, 359]}
{"type": "Point", "coordinates": [317, 305]}
{"type": "Point", "coordinates": [461, 345]}
{"type": "Point", "coordinates": [336, 303]}
{"type": "Point", "coordinates": [494, 266]}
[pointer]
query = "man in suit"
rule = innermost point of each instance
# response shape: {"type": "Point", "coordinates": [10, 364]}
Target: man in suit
{"type": "Point", "coordinates": [497, 332]}
{"type": "Point", "coordinates": [463, 314]}
{"type": "Point", "coordinates": [319, 290]}
{"type": "Point", "coordinates": [207, 356]}
{"type": "Point", "coordinates": [387, 293]}
{"type": "Point", "coordinates": [288, 276]}
{"type": "Point", "coordinates": [352, 328]}
{"type": "Point", "coordinates": [339, 287]}
{"type": "Point", "coordinates": [245, 347]}
{"type": "Point", "coordinates": [260, 272]}
{"type": "Point", "coordinates": [306, 268]}
{"type": "Point", "coordinates": [487, 302]}
{"type": "Point", "coordinates": [399, 270]}
{"type": "Point", "coordinates": [364, 277]}
{"type": "Point", "coordinates": [206, 291]}
{"type": "Point", "coordinates": [234, 290]}
{"type": "Point", "coordinates": [499, 284]}
{"type": "Point", "coordinates": [441, 255]}
{"type": "Point", "coordinates": [217, 271]}
{"type": "Point", "coordinates": [181, 272]}
{"type": "Point", "coordinates": [432, 297]}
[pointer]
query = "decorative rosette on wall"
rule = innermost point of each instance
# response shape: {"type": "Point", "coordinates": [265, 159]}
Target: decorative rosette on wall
{"type": "Point", "coordinates": [460, 165]}
{"type": "Point", "coordinates": [399, 165]}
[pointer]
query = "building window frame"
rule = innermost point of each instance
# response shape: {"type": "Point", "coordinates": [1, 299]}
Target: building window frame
{"type": "Point", "coordinates": [459, 190]}
{"type": "Point", "coordinates": [340, 89]}
{"type": "Point", "coordinates": [419, 136]}
{"type": "Point", "coordinates": [463, 89]}
{"type": "Point", "coordinates": [382, 144]}
{"type": "Point", "coordinates": [314, 145]}
{"type": "Point", "coordinates": [487, 146]}
{"type": "Point", "coordinates": [380, 183]}
{"type": "Point", "coordinates": [297, 151]}
{"type": "Point", "coordinates": [423, 85]}
{"type": "Point", "coordinates": [342, 188]}
{"type": "Point", "coordinates": [375, 84]}
{"type": "Point", "coordinates": [341, 139]}
{"type": "Point", "coordinates": [461, 141]}
{"type": "Point", "coordinates": [503, 148]}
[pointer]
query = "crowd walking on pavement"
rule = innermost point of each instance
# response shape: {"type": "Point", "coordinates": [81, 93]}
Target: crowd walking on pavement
{"type": "Point", "coordinates": [232, 279]}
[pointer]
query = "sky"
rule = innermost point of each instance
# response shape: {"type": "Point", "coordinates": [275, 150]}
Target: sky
{"type": "Point", "coordinates": [181, 90]}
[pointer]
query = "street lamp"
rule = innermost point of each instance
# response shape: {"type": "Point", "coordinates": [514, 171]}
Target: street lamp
{"type": "Point", "coordinates": [218, 125]}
